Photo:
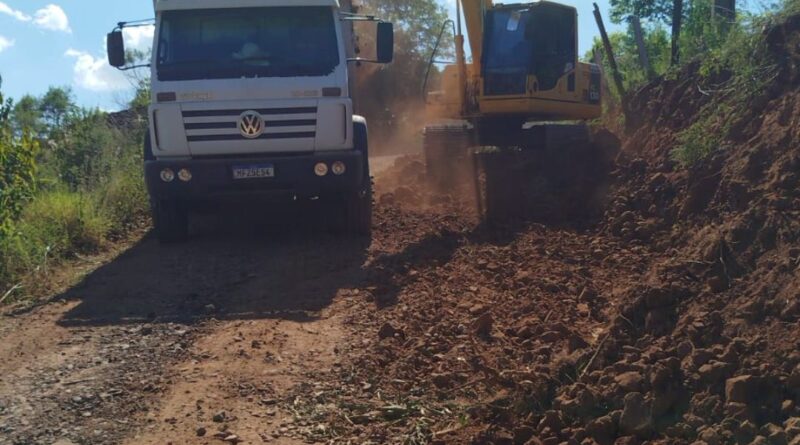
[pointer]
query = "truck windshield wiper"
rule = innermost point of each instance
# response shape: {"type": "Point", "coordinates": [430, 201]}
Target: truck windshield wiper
{"type": "Point", "coordinates": [282, 70]}
{"type": "Point", "coordinates": [188, 62]}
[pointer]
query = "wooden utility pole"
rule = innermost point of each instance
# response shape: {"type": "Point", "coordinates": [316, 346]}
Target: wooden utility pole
{"type": "Point", "coordinates": [612, 61]}
{"type": "Point", "coordinates": [644, 58]}
{"type": "Point", "coordinates": [723, 14]}
{"type": "Point", "coordinates": [677, 21]}
{"type": "Point", "coordinates": [724, 10]}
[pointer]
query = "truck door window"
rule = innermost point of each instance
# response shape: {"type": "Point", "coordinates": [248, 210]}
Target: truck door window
{"type": "Point", "coordinates": [247, 42]}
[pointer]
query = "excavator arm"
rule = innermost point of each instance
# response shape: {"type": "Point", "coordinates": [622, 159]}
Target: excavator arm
{"type": "Point", "coordinates": [474, 11]}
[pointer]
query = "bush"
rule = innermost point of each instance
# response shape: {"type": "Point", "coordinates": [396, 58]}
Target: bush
{"type": "Point", "coordinates": [124, 200]}
{"type": "Point", "coordinates": [735, 69]}
{"type": "Point", "coordinates": [17, 169]}
{"type": "Point", "coordinates": [704, 137]}
{"type": "Point", "coordinates": [53, 226]}
{"type": "Point", "coordinates": [734, 65]}
{"type": "Point", "coordinates": [79, 148]}
{"type": "Point", "coordinates": [83, 190]}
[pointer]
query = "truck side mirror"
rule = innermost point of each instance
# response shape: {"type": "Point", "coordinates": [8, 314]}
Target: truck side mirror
{"type": "Point", "coordinates": [115, 45]}
{"type": "Point", "coordinates": [385, 42]}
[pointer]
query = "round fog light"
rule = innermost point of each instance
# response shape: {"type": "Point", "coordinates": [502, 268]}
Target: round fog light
{"type": "Point", "coordinates": [167, 175]}
{"type": "Point", "coordinates": [185, 175]}
{"type": "Point", "coordinates": [321, 169]}
{"type": "Point", "coordinates": [338, 168]}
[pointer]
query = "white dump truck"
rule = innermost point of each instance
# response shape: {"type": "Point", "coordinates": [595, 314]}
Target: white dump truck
{"type": "Point", "coordinates": [252, 99]}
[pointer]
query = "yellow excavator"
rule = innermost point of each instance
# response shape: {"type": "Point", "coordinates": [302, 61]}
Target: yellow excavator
{"type": "Point", "coordinates": [526, 94]}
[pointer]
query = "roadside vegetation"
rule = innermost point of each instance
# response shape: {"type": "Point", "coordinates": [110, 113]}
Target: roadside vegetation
{"type": "Point", "coordinates": [729, 53]}
{"type": "Point", "coordinates": [71, 179]}
{"type": "Point", "coordinates": [70, 183]}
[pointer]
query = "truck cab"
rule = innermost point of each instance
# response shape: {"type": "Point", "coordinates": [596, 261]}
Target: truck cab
{"type": "Point", "coordinates": [251, 98]}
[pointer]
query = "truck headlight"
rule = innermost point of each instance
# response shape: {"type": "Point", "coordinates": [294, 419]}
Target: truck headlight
{"type": "Point", "coordinates": [185, 175]}
{"type": "Point", "coordinates": [167, 175]}
{"type": "Point", "coordinates": [338, 168]}
{"type": "Point", "coordinates": [321, 169]}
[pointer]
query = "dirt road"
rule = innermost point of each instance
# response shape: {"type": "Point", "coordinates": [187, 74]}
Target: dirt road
{"type": "Point", "coordinates": [249, 333]}
{"type": "Point", "coordinates": [441, 331]}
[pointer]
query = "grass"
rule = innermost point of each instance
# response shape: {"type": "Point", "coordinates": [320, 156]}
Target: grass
{"type": "Point", "coordinates": [124, 200]}
{"type": "Point", "coordinates": [704, 137]}
{"type": "Point", "coordinates": [62, 223]}
{"type": "Point", "coordinates": [53, 226]}
{"type": "Point", "coordinates": [77, 195]}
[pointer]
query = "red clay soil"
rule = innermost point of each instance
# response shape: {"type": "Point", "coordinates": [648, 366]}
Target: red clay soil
{"type": "Point", "coordinates": [672, 320]}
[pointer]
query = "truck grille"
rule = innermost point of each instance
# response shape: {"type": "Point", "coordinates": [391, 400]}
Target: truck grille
{"type": "Point", "coordinates": [223, 125]}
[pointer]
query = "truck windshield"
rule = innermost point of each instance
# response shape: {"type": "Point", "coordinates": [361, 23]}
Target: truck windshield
{"type": "Point", "coordinates": [247, 42]}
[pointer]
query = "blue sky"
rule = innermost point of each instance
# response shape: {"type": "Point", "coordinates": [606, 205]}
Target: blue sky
{"type": "Point", "coordinates": [61, 42]}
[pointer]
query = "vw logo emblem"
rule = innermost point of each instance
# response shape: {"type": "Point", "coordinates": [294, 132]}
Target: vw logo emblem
{"type": "Point", "coordinates": [251, 124]}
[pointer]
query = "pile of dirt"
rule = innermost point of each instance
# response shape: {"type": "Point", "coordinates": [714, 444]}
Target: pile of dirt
{"type": "Point", "coordinates": [405, 187]}
{"type": "Point", "coordinates": [675, 319]}
{"type": "Point", "coordinates": [460, 328]}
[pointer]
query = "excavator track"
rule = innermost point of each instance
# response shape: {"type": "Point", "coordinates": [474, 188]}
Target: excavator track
{"type": "Point", "coordinates": [552, 173]}
{"type": "Point", "coordinates": [448, 156]}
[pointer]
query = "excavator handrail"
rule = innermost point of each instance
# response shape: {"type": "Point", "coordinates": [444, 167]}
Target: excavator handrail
{"type": "Point", "coordinates": [432, 60]}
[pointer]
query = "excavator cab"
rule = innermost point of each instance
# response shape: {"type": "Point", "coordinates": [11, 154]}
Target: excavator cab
{"type": "Point", "coordinates": [529, 64]}
{"type": "Point", "coordinates": [529, 48]}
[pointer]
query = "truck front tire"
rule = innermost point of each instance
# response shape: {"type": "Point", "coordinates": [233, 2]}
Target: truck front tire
{"type": "Point", "coordinates": [358, 212]}
{"type": "Point", "coordinates": [354, 209]}
{"type": "Point", "coordinates": [171, 221]}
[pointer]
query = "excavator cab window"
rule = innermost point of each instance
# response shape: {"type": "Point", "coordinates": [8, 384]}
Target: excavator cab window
{"type": "Point", "coordinates": [508, 51]}
{"type": "Point", "coordinates": [538, 39]}
{"type": "Point", "coordinates": [553, 30]}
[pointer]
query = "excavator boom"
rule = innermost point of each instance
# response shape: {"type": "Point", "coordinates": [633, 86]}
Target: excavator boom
{"type": "Point", "coordinates": [474, 12]}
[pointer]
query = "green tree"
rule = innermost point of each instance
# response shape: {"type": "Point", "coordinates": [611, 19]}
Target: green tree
{"type": "Point", "coordinates": [56, 104]}
{"type": "Point", "coordinates": [392, 95]}
{"type": "Point", "coordinates": [86, 135]}
{"type": "Point", "coordinates": [141, 98]}
{"type": "Point", "coordinates": [17, 167]}
{"type": "Point", "coordinates": [27, 116]}
{"type": "Point", "coordinates": [657, 42]}
{"type": "Point", "coordinates": [417, 23]}
{"type": "Point", "coordinates": [653, 10]}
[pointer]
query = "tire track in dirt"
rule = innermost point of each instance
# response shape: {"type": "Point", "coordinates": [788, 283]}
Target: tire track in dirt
{"type": "Point", "coordinates": [239, 371]}
{"type": "Point", "coordinates": [91, 369]}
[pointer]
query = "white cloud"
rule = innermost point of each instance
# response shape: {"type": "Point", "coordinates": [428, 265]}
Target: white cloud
{"type": "Point", "coordinates": [52, 18]}
{"type": "Point", "coordinates": [95, 74]}
{"type": "Point", "coordinates": [19, 15]}
{"type": "Point", "coordinates": [5, 43]}
{"type": "Point", "coordinates": [140, 37]}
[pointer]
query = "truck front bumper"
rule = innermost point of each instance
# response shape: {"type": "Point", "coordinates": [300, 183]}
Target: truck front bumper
{"type": "Point", "coordinates": [294, 177]}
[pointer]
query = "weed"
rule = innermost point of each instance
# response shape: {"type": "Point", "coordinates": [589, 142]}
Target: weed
{"type": "Point", "coordinates": [704, 137]}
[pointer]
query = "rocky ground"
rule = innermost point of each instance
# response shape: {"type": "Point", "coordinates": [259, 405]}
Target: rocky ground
{"type": "Point", "coordinates": [311, 339]}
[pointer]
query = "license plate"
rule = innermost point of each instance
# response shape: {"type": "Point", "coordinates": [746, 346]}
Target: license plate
{"type": "Point", "coordinates": [253, 171]}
